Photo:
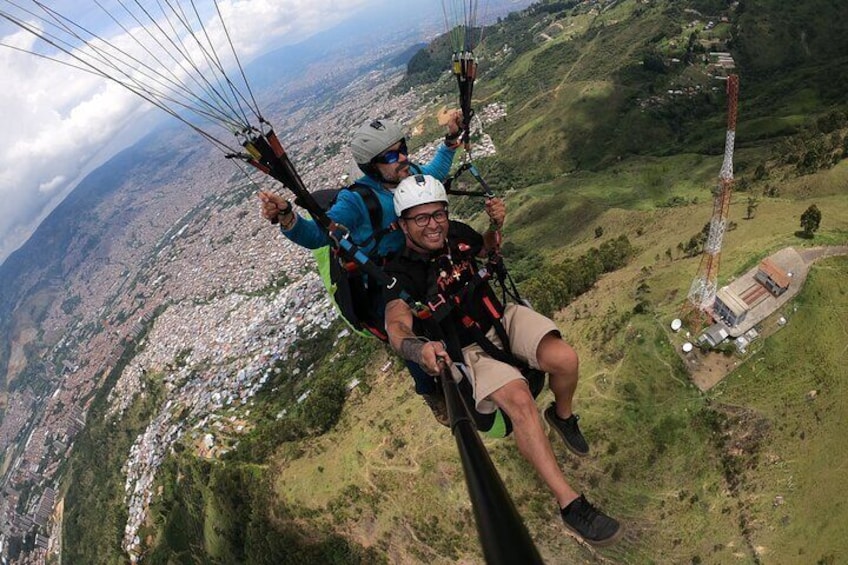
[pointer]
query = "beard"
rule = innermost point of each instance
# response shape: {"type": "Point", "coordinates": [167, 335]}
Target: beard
{"type": "Point", "coordinates": [398, 172]}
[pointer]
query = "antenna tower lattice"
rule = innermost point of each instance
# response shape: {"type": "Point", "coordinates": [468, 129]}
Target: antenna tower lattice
{"type": "Point", "coordinates": [703, 290]}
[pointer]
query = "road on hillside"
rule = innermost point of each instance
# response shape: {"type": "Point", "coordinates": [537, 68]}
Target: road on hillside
{"type": "Point", "coordinates": [814, 253]}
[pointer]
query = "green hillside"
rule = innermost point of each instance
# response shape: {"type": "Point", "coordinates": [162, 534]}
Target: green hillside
{"type": "Point", "coordinates": [595, 148]}
{"type": "Point", "coordinates": [597, 92]}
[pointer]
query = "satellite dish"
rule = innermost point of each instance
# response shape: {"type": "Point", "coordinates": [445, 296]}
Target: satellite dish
{"type": "Point", "coordinates": [687, 347]}
{"type": "Point", "coordinates": [676, 324]}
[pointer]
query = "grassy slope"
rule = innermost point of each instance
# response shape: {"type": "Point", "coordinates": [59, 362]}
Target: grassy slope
{"type": "Point", "coordinates": [794, 489]}
{"type": "Point", "coordinates": [665, 457]}
{"type": "Point", "coordinates": [367, 473]}
{"type": "Point", "coordinates": [389, 476]}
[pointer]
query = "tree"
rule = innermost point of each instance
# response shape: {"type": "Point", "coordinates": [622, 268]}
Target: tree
{"type": "Point", "coordinates": [752, 207]}
{"type": "Point", "coordinates": [771, 191]}
{"type": "Point", "coordinates": [653, 61]}
{"type": "Point", "coordinates": [810, 220]}
{"type": "Point", "coordinates": [321, 410]}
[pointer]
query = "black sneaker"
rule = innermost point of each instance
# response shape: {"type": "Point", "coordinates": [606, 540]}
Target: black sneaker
{"type": "Point", "coordinates": [568, 430]}
{"type": "Point", "coordinates": [592, 525]}
{"type": "Point", "coordinates": [436, 403]}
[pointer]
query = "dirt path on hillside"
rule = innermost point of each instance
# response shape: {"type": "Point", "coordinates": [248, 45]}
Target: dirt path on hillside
{"type": "Point", "coordinates": [565, 77]}
{"type": "Point", "coordinates": [374, 461]}
{"type": "Point", "coordinates": [602, 381]}
{"type": "Point", "coordinates": [813, 254]}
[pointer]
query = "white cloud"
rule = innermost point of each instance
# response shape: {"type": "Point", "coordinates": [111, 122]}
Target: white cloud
{"type": "Point", "coordinates": [51, 185]}
{"type": "Point", "coordinates": [56, 120]}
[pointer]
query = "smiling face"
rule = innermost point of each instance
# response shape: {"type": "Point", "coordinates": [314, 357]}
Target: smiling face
{"type": "Point", "coordinates": [426, 226]}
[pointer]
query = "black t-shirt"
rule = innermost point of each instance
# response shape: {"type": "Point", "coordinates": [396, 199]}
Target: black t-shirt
{"type": "Point", "coordinates": [444, 272]}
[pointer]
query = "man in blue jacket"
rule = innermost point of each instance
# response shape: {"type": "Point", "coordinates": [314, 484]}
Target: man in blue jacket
{"type": "Point", "coordinates": [379, 149]}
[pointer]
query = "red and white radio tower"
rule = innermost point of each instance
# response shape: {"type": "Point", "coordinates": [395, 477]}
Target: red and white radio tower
{"type": "Point", "coordinates": [703, 290]}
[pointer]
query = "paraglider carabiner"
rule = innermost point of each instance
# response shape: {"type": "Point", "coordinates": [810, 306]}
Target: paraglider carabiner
{"type": "Point", "coordinates": [338, 233]}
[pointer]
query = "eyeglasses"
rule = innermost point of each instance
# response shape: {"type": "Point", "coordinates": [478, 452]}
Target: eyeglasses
{"type": "Point", "coordinates": [392, 156]}
{"type": "Point", "coordinates": [422, 220]}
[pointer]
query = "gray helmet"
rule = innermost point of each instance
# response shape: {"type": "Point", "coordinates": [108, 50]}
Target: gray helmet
{"type": "Point", "coordinates": [372, 138]}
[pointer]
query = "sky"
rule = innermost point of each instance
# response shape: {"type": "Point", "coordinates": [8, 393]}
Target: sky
{"type": "Point", "coordinates": [59, 123]}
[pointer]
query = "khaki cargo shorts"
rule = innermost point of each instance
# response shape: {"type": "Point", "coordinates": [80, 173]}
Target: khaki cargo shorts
{"type": "Point", "coordinates": [525, 329]}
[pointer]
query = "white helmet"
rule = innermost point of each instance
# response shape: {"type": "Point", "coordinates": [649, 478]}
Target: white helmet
{"type": "Point", "coordinates": [372, 138]}
{"type": "Point", "coordinates": [416, 190]}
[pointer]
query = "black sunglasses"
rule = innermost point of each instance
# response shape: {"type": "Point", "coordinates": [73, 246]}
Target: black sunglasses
{"type": "Point", "coordinates": [393, 156]}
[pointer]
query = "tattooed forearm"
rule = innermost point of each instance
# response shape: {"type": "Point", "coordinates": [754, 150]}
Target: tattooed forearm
{"type": "Point", "coordinates": [410, 349]}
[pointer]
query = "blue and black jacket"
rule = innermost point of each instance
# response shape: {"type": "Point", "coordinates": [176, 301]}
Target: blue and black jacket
{"type": "Point", "coordinates": [351, 211]}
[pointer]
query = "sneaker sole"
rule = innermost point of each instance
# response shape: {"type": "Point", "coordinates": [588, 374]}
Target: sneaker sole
{"type": "Point", "coordinates": [599, 543]}
{"type": "Point", "coordinates": [562, 437]}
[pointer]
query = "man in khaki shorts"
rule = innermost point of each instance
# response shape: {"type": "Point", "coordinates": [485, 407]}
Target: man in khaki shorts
{"type": "Point", "coordinates": [438, 268]}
